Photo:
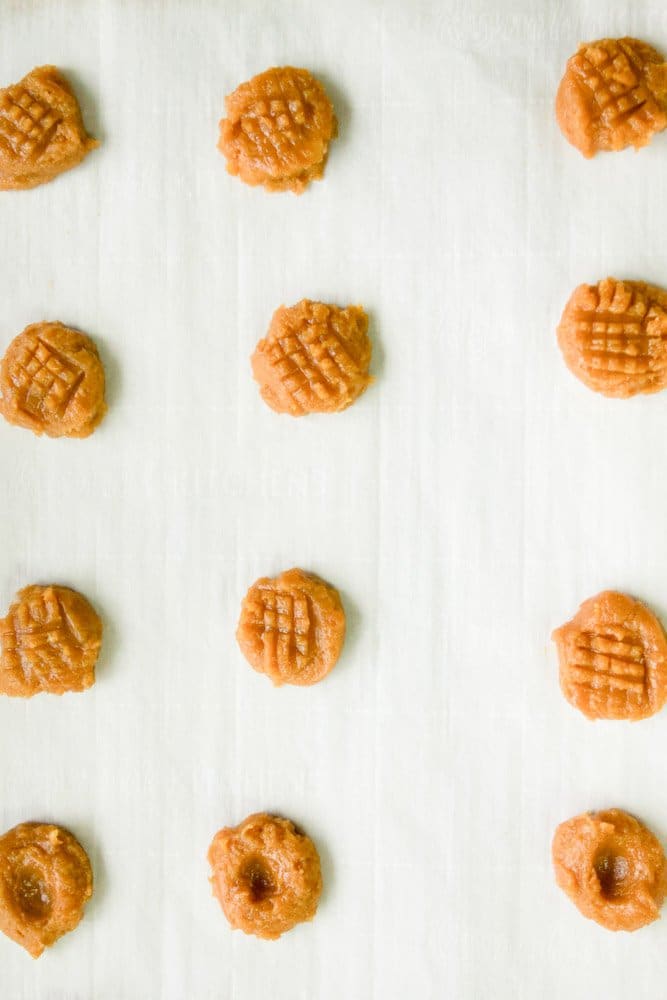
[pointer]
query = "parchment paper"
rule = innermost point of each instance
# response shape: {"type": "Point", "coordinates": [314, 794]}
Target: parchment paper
{"type": "Point", "coordinates": [465, 506]}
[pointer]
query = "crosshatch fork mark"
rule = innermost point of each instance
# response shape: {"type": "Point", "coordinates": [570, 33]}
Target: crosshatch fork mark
{"type": "Point", "coordinates": [281, 614]}
{"type": "Point", "coordinates": [40, 630]}
{"type": "Point", "coordinates": [26, 124]}
{"type": "Point", "coordinates": [49, 378]}
{"type": "Point", "coordinates": [607, 661]}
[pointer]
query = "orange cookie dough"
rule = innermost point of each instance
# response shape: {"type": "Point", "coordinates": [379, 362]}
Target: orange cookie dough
{"type": "Point", "coordinates": [613, 337]}
{"type": "Point", "coordinates": [45, 882]}
{"type": "Point", "coordinates": [314, 358]}
{"type": "Point", "coordinates": [278, 129]}
{"type": "Point", "coordinates": [266, 875]}
{"type": "Point", "coordinates": [613, 658]}
{"type": "Point", "coordinates": [613, 95]}
{"type": "Point", "coordinates": [49, 641]}
{"type": "Point", "coordinates": [52, 382]}
{"type": "Point", "coordinates": [41, 130]}
{"type": "Point", "coordinates": [292, 628]}
{"type": "Point", "coordinates": [612, 868]}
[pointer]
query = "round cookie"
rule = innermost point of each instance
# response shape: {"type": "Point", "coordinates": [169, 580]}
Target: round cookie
{"type": "Point", "coordinates": [278, 128]}
{"type": "Point", "coordinates": [613, 658]}
{"type": "Point", "coordinates": [266, 875]}
{"type": "Point", "coordinates": [41, 130]}
{"type": "Point", "coordinates": [292, 628]}
{"type": "Point", "coordinates": [45, 882]}
{"type": "Point", "coordinates": [50, 640]}
{"type": "Point", "coordinates": [613, 94]}
{"type": "Point", "coordinates": [612, 868]}
{"type": "Point", "coordinates": [52, 382]}
{"type": "Point", "coordinates": [613, 337]}
{"type": "Point", "coordinates": [314, 358]}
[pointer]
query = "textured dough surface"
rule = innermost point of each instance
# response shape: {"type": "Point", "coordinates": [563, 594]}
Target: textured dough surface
{"type": "Point", "coordinates": [45, 882]}
{"type": "Point", "coordinates": [52, 382]}
{"type": "Point", "coordinates": [49, 641]}
{"type": "Point", "coordinates": [314, 358]}
{"type": "Point", "coordinates": [266, 875]}
{"type": "Point", "coordinates": [613, 658]}
{"type": "Point", "coordinates": [612, 868]}
{"type": "Point", "coordinates": [278, 128]}
{"type": "Point", "coordinates": [292, 628]}
{"type": "Point", "coordinates": [613, 94]}
{"type": "Point", "coordinates": [41, 130]}
{"type": "Point", "coordinates": [613, 337]}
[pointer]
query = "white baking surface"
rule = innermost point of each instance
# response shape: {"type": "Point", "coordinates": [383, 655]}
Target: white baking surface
{"type": "Point", "coordinates": [464, 506]}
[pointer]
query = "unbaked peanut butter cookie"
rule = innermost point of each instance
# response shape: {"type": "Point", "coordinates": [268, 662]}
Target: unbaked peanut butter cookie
{"type": "Point", "coordinates": [292, 628]}
{"type": "Point", "coordinates": [278, 129]}
{"type": "Point", "coordinates": [41, 130]}
{"type": "Point", "coordinates": [266, 875]}
{"type": "Point", "coordinates": [613, 658]}
{"type": "Point", "coordinates": [52, 382]}
{"type": "Point", "coordinates": [612, 868]}
{"type": "Point", "coordinates": [45, 882]}
{"type": "Point", "coordinates": [314, 358]}
{"type": "Point", "coordinates": [613, 95]}
{"type": "Point", "coordinates": [613, 337]}
{"type": "Point", "coordinates": [49, 641]}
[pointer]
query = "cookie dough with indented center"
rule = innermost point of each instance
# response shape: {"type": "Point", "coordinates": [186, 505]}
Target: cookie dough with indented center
{"type": "Point", "coordinates": [45, 882]}
{"type": "Point", "coordinates": [613, 337]}
{"type": "Point", "coordinates": [314, 358]}
{"type": "Point", "coordinates": [612, 868]}
{"type": "Point", "coordinates": [613, 95]}
{"type": "Point", "coordinates": [613, 658]}
{"type": "Point", "coordinates": [266, 875]}
{"type": "Point", "coordinates": [52, 382]}
{"type": "Point", "coordinates": [41, 130]}
{"type": "Point", "coordinates": [50, 640]}
{"type": "Point", "coordinates": [292, 627]}
{"type": "Point", "coordinates": [278, 129]}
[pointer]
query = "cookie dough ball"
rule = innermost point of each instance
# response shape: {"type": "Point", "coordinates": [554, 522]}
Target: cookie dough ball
{"type": "Point", "coordinates": [292, 628]}
{"type": "Point", "coordinates": [266, 875]}
{"type": "Point", "coordinates": [314, 358]}
{"type": "Point", "coordinates": [612, 868]}
{"type": "Point", "coordinates": [41, 130]}
{"type": "Point", "coordinates": [278, 129]}
{"type": "Point", "coordinates": [613, 658]}
{"type": "Point", "coordinates": [49, 641]}
{"type": "Point", "coordinates": [613, 337]}
{"type": "Point", "coordinates": [52, 382]}
{"type": "Point", "coordinates": [613, 95]}
{"type": "Point", "coordinates": [45, 882]}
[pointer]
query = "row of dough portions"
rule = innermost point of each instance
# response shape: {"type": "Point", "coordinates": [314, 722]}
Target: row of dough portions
{"type": "Point", "coordinates": [316, 357]}
{"type": "Point", "coordinates": [613, 336]}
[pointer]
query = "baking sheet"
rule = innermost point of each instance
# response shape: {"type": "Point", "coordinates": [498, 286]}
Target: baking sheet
{"type": "Point", "coordinates": [465, 506]}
